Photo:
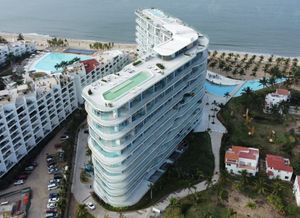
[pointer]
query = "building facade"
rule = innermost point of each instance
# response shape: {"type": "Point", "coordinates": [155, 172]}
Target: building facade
{"type": "Point", "coordinates": [275, 98]}
{"type": "Point", "coordinates": [29, 112]}
{"type": "Point", "coordinates": [296, 190]}
{"type": "Point", "coordinates": [238, 158]}
{"type": "Point", "coordinates": [139, 116]}
{"type": "Point", "coordinates": [278, 167]}
{"type": "Point", "coordinates": [18, 48]}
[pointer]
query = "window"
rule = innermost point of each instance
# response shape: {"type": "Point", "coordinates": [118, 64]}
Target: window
{"type": "Point", "coordinates": [138, 114]}
{"type": "Point", "coordinates": [135, 101]}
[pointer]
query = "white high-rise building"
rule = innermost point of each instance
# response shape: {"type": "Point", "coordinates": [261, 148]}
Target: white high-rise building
{"type": "Point", "coordinates": [29, 112]}
{"type": "Point", "coordinates": [139, 116]}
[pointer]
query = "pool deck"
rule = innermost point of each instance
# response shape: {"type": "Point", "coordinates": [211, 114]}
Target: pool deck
{"type": "Point", "coordinates": [221, 80]}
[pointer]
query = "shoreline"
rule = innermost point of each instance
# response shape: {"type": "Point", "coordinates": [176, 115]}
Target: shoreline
{"type": "Point", "coordinates": [41, 40]}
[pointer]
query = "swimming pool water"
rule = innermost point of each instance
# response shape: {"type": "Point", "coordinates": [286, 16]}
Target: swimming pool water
{"type": "Point", "coordinates": [49, 60]}
{"type": "Point", "coordinates": [218, 90]}
{"type": "Point", "coordinates": [254, 85]}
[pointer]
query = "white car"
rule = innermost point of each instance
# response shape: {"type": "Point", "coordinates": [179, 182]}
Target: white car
{"type": "Point", "coordinates": [51, 205]}
{"type": "Point", "coordinates": [64, 137]}
{"type": "Point", "coordinates": [91, 206]}
{"type": "Point", "coordinates": [53, 200]}
{"type": "Point", "coordinates": [52, 186]}
{"type": "Point", "coordinates": [19, 182]}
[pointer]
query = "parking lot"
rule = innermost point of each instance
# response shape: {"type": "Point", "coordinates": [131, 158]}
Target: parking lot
{"type": "Point", "coordinates": [38, 180]}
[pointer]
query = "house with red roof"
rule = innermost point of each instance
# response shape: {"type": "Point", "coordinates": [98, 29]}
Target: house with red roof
{"type": "Point", "coordinates": [296, 190]}
{"type": "Point", "coordinates": [238, 158]}
{"type": "Point", "coordinates": [278, 167]}
{"type": "Point", "coordinates": [90, 65]}
{"type": "Point", "coordinates": [275, 98]}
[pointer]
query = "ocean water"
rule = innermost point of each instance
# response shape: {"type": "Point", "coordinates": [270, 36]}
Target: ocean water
{"type": "Point", "coordinates": [264, 26]}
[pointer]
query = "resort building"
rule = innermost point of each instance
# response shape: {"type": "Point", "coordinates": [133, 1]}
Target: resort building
{"type": "Point", "coordinates": [238, 159]}
{"type": "Point", "coordinates": [275, 98]}
{"type": "Point", "coordinates": [296, 190]}
{"type": "Point", "coordinates": [3, 53]}
{"type": "Point", "coordinates": [29, 112]}
{"type": "Point", "coordinates": [278, 167]}
{"type": "Point", "coordinates": [18, 48]}
{"type": "Point", "coordinates": [138, 116]}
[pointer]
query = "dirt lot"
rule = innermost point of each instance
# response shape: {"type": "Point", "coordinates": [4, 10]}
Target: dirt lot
{"type": "Point", "coordinates": [38, 181]}
{"type": "Point", "coordinates": [238, 202]}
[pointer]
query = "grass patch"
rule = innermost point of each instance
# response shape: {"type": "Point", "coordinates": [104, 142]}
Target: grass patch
{"type": "Point", "coordinates": [195, 164]}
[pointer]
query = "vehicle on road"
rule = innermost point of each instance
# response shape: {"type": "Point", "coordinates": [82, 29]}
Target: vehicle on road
{"type": "Point", "coordinates": [51, 205]}
{"type": "Point", "coordinates": [19, 182]}
{"type": "Point", "coordinates": [64, 137]}
{"type": "Point", "coordinates": [4, 203]}
{"type": "Point", "coordinates": [91, 206]}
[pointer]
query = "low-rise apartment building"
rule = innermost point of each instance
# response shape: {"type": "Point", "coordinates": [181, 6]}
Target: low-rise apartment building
{"type": "Point", "coordinates": [278, 167]}
{"type": "Point", "coordinates": [275, 98]}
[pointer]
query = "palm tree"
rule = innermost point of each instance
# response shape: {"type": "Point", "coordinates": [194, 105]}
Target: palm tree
{"type": "Point", "coordinates": [81, 211]}
{"type": "Point", "coordinates": [264, 82]}
{"type": "Point", "coordinates": [227, 94]}
{"type": "Point", "coordinates": [173, 202]}
{"type": "Point", "coordinates": [247, 91]}
{"type": "Point", "coordinates": [244, 178]}
{"type": "Point", "coordinates": [277, 187]}
{"type": "Point", "coordinates": [260, 185]}
{"type": "Point", "coordinates": [20, 37]}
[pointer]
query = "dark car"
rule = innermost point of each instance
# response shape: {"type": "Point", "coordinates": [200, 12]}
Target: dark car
{"type": "Point", "coordinates": [34, 163]}
{"type": "Point", "coordinates": [58, 146]}
{"type": "Point", "coordinates": [23, 176]}
{"type": "Point", "coordinates": [53, 195]}
{"type": "Point", "coordinates": [56, 176]}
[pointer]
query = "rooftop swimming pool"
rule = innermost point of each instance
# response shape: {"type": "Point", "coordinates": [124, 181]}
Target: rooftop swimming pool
{"type": "Point", "coordinates": [125, 87]}
{"type": "Point", "coordinates": [47, 62]}
{"type": "Point", "coordinates": [218, 90]}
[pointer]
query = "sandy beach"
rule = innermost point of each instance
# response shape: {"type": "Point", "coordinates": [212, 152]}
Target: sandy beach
{"type": "Point", "coordinates": [41, 41]}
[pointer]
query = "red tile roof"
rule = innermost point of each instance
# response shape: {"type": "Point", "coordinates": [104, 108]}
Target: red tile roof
{"type": "Point", "coordinates": [282, 92]}
{"type": "Point", "coordinates": [237, 152]}
{"type": "Point", "coordinates": [278, 163]}
{"type": "Point", "coordinates": [90, 64]}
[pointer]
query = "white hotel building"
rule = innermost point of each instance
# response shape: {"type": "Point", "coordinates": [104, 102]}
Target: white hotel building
{"type": "Point", "coordinates": [29, 112]}
{"type": "Point", "coordinates": [139, 116]}
{"type": "Point", "coordinates": [16, 48]}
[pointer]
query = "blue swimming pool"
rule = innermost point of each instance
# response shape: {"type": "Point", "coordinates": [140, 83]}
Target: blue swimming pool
{"type": "Point", "coordinates": [49, 60]}
{"type": "Point", "coordinates": [254, 85]}
{"type": "Point", "coordinates": [218, 90]}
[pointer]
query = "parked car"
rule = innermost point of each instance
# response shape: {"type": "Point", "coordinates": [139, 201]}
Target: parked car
{"type": "Point", "coordinates": [19, 182]}
{"type": "Point", "coordinates": [57, 176]}
{"type": "Point", "coordinates": [51, 166]}
{"type": "Point", "coordinates": [51, 205]}
{"type": "Point", "coordinates": [4, 203]}
{"type": "Point", "coordinates": [29, 168]}
{"type": "Point", "coordinates": [64, 137]}
{"type": "Point", "coordinates": [58, 146]}
{"type": "Point", "coordinates": [54, 181]}
{"type": "Point", "coordinates": [91, 206]}
{"type": "Point", "coordinates": [23, 176]}
{"type": "Point", "coordinates": [34, 163]}
{"type": "Point", "coordinates": [49, 159]}
{"type": "Point", "coordinates": [52, 186]}
{"type": "Point", "coordinates": [53, 200]}
{"type": "Point", "coordinates": [86, 131]}
{"type": "Point", "coordinates": [53, 195]}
